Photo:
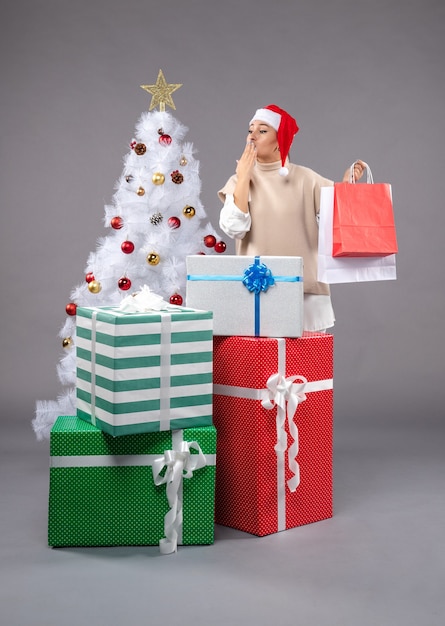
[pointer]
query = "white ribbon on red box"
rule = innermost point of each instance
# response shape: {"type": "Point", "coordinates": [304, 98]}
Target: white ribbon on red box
{"type": "Point", "coordinates": [285, 394]}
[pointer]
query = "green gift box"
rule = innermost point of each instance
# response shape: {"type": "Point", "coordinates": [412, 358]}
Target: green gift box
{"type": "Point", "coordinates": [132, 490]}
{"type": "Point", "coordinates": [144, 371]}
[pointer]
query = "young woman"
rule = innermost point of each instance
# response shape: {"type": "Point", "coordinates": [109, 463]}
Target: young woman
{"type": "Point", "coordinates": [271, 206]}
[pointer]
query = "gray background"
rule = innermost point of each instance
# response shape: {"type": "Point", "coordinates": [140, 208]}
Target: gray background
{"type": "Point", "coordinates": [364, 80]}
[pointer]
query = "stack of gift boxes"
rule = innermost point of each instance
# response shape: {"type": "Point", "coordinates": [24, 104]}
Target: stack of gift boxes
{"type": "Point", "coordinates": [220, 411]}
{"type": "Point", "coordinates": [136, 466]}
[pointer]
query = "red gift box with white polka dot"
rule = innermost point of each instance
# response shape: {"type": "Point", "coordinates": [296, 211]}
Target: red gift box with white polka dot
{"type": "Point", "coordinates": [255, 484]}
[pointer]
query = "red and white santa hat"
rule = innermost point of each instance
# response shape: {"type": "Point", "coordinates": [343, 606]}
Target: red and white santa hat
{"type": "Point", "coordinates": [286, 128]}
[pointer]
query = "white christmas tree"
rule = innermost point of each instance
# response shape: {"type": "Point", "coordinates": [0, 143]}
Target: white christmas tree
{"type": "Point", "coordinates": [155, 220]}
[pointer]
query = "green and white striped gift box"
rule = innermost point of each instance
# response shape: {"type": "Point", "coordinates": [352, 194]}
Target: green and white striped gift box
{"type": "Point", "coordinates": [144, 372]}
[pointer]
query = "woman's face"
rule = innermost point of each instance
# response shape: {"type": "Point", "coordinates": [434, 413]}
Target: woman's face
{"type": "Point", "coordinates": [265, 139]}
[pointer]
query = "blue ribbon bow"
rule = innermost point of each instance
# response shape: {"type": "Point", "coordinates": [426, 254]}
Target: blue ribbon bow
{"type": "Point", "coordinates": [258, 277]}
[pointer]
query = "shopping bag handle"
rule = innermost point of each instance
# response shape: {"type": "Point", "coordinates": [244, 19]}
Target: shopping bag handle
{"type": "Point", "coordinates": [369, 178]}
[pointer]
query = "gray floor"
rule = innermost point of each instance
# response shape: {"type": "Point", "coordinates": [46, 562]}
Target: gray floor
{"type": "Point", "coordinates": [380, 561]}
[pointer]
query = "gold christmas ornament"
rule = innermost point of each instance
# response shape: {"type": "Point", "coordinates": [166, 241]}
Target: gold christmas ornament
{"type": "Point", "coordinates": [67, 342]}
{"type": "Point", "coordinates": [183, 161]}
{"type": "Point", "coordinates": [161, 92]}
{"type": "Point", "coordinates": [140, 191]}
{"type": "Point", "coordinates": [153, 258]}
{"type": "Point", "coordinates": [158, 178]}
{"type": "Point", "coordinates": [94, 286]}
{"type": "Point", "coordinates": [188, 211]}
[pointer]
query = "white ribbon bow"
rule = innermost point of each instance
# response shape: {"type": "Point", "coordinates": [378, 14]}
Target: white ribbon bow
{"type": "Point", "coordinates": [143, 301]}
{"type": "Point", "coordinates": [179, 464]}
{"type": "Point", "coordinates": [285, 393]}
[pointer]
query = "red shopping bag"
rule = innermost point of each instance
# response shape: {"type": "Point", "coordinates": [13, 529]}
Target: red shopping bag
{"type": "Point", "coordinates": [363, 223]}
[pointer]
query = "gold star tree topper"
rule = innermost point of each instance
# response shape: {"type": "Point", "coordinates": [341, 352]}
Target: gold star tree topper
{"type": "Point", "coordinates": [161, 92]}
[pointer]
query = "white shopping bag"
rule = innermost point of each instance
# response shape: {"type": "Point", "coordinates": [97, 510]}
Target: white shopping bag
{"type": "Point", "coordinates": [346, 269]}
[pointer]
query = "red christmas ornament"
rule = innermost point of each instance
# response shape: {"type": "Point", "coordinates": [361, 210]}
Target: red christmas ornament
{"type": "Point", "coordinates": [71, 308]}
{"type": "Point", "coordinates": [220, 246]}
{"type": "Point", "coordinates": [209, 241]}
{"type": "Point", "coordinates": [165, 140]}
{"type": "Point", "coordinates": [127, 247]}
{"type": "Point", "coordinates": [89, 277]}
{"type": "Point", "coordinates": [124, 283]}
{"type": "Point", "coordinates": [176, 299]}
{"type": "Point", "coordinates": [116, 222]}
{"type": "Point", "coordinates": [174, 222]}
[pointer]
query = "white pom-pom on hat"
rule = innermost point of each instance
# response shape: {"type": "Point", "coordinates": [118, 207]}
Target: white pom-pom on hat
{"type": "Point", "coordinates": [286, 128]}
